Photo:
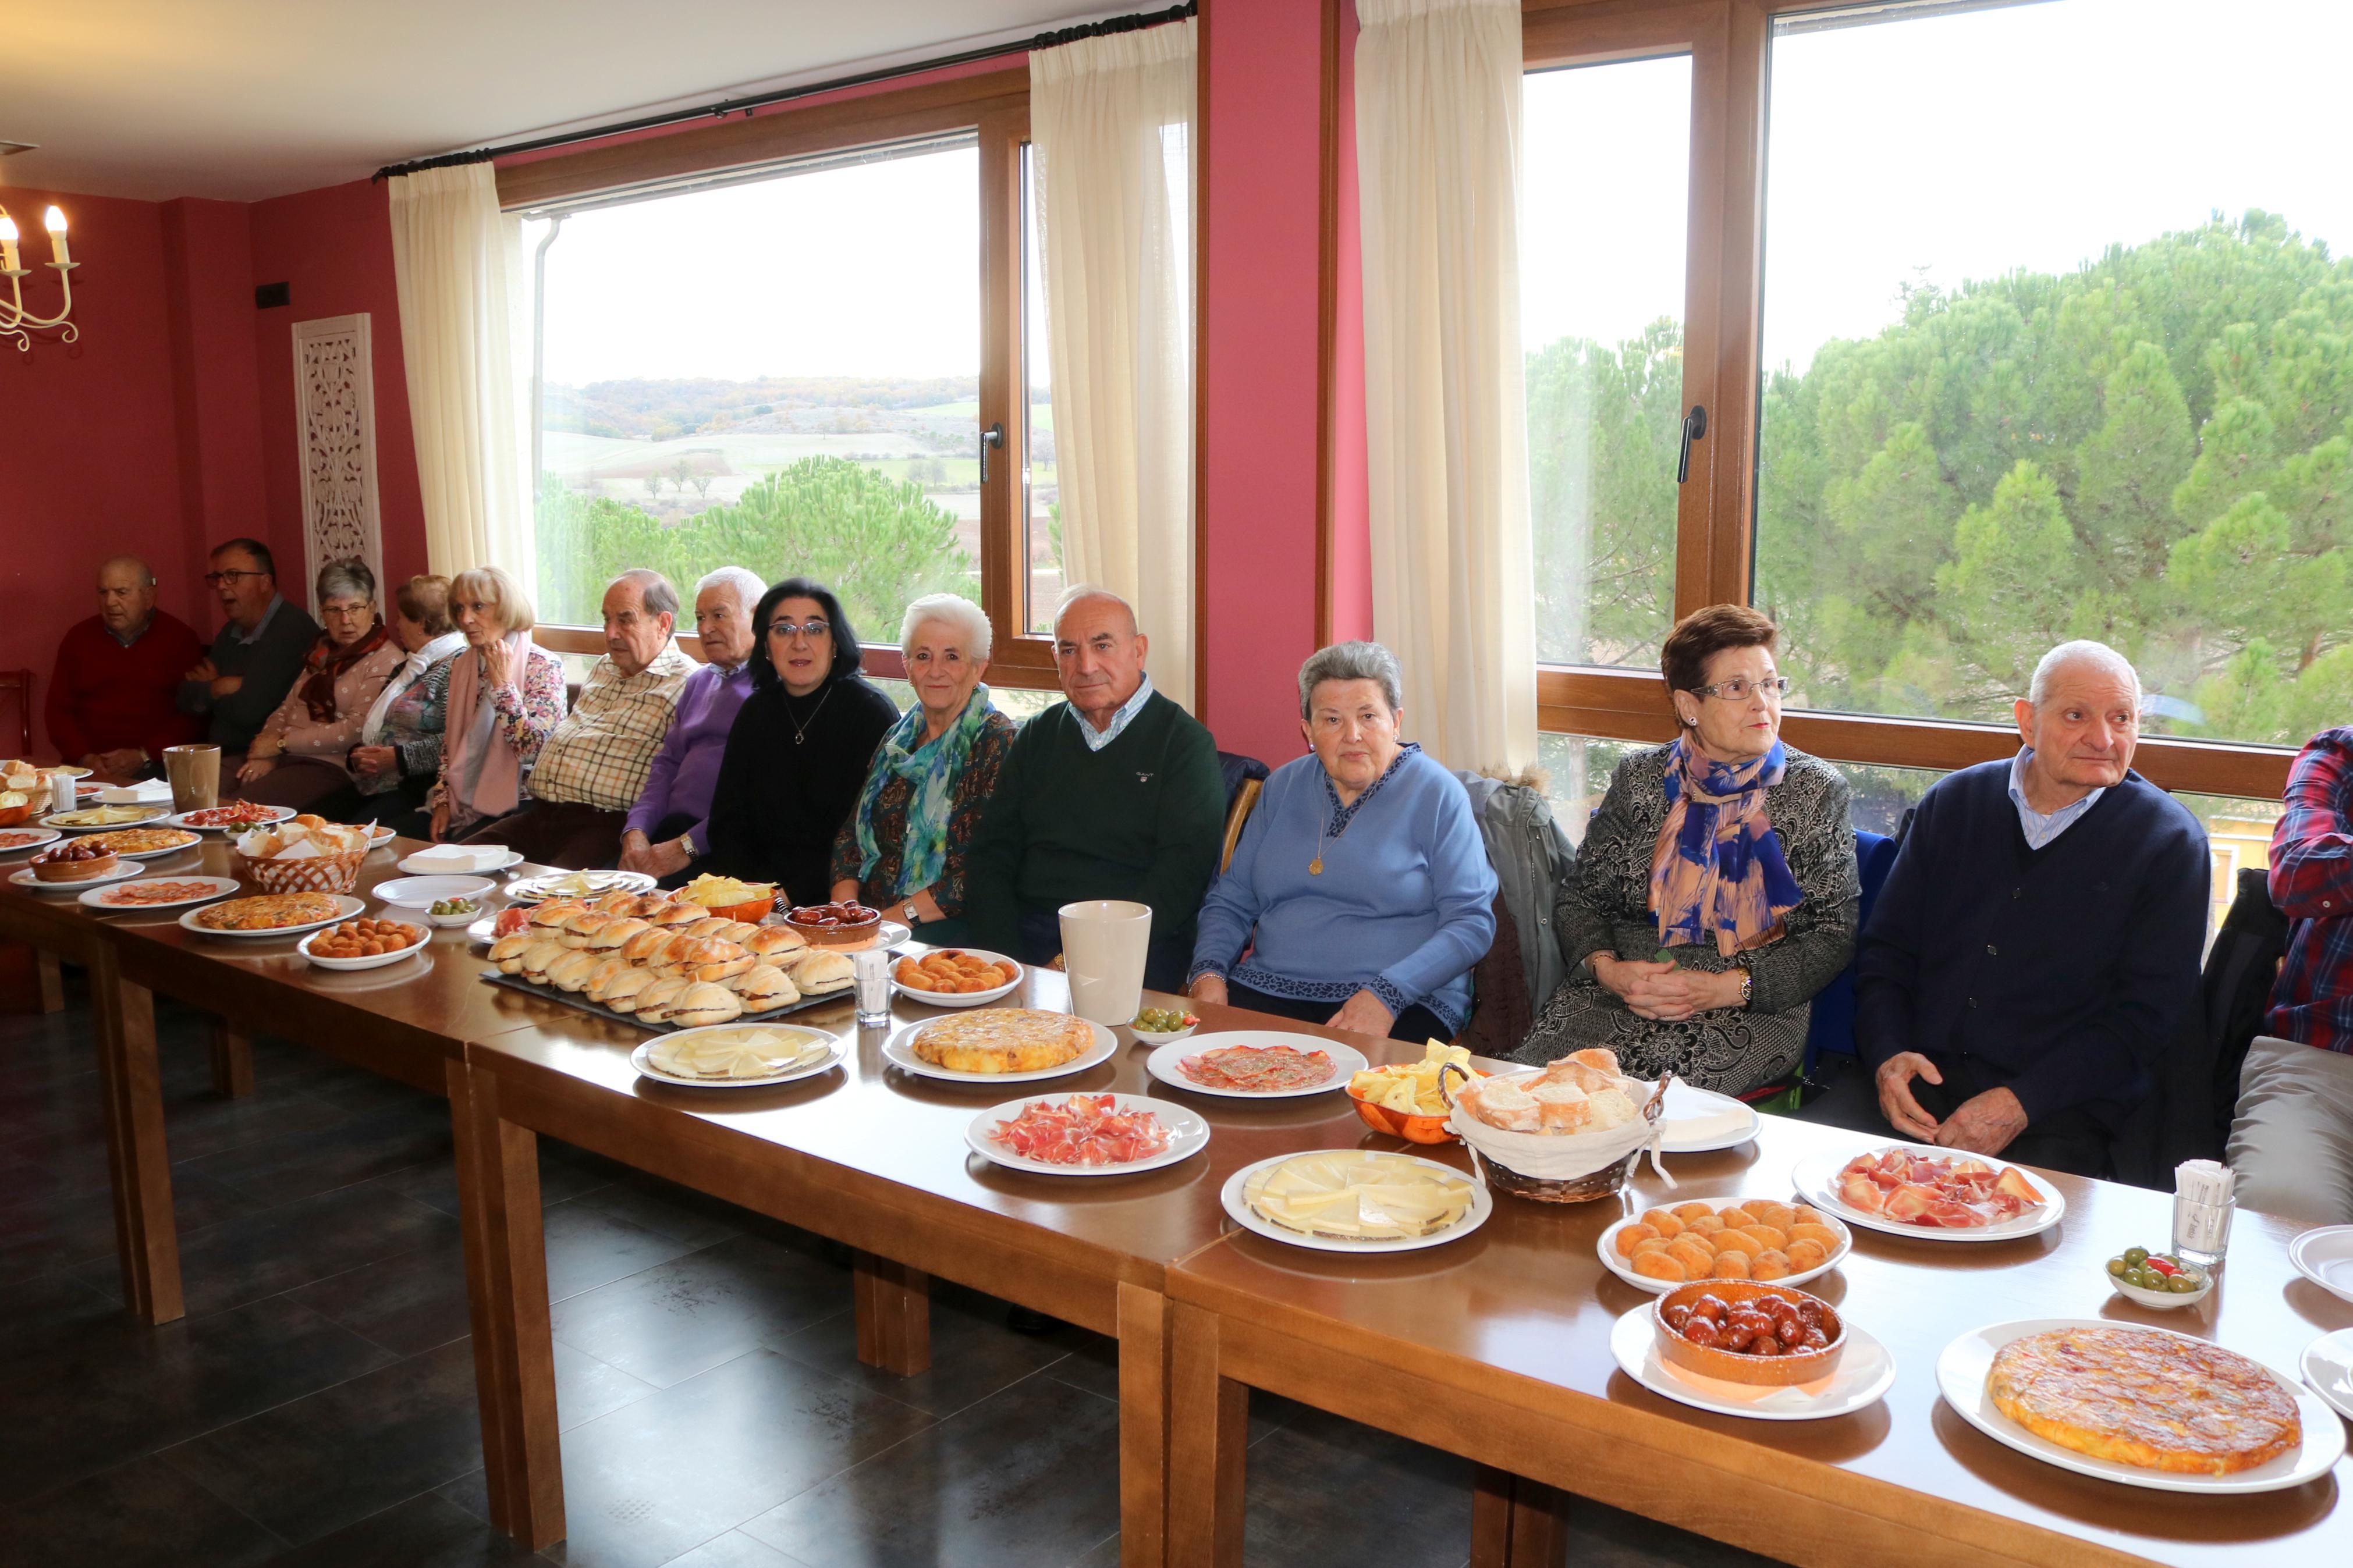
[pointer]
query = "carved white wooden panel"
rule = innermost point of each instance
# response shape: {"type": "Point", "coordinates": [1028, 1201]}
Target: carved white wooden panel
{"type": "Point", "coordinates": [334, 412]}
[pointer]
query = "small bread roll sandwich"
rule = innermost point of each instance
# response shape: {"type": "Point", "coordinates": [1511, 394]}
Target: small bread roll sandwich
{"type": "Point", "coordinates": [655, 999]}
{"type": "Point", "coordinates": [536, 958]}
{"type": "Point", "coordinates": [821, 972]}
{"type": "Point", "coordinates": [764, 986]}
{"type": "Point", "coordinates": [584, 925]}
{"type": "Point", "coordinates": [620, 903]}
{"type": "Point", "coordinates": [551, 915]}
{"type": "Point", "coordinates": [737, 931]}
{"type": "Point", "coordinates": [674, 914]}
{"type": "Point", "coordinates": [704, 1004]}
{"type": "Point", "coordinates": [611, 936]}
{"type": "Point", "coordinates": [709, 925]}
{"type": "Point", "coordinates": [610, 966]}
{"type": "Point", "coordinates": [508, 951]}
{"type": "Point", "coordinates": [646, 906]}
{"type": "Point", "coordinates": [712, 960]}
{"type": "Point", "coordinates": [571, 972]}
{"type": "Point", "coordinates": [768, 941]}
{"type": "Point", "coordinates": [647, 944]}
{"type": "Point", "coordinates": [621, 993]}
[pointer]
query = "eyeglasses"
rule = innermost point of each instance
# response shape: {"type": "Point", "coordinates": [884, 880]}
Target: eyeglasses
{"type": "Point", "coordinates": [785, 626]}
{"type": "Point", "coordinates": [217, 578]}
{"type": "Point", "coordinates": [1738, 689]}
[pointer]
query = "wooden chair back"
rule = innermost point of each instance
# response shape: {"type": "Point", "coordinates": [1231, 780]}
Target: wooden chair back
{"type": "Point", "coordinates": [1238, 813]}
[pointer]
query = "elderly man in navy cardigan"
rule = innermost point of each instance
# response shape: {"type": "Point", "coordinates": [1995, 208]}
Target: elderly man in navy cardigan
{"type": "Point", "coordinates": [2038, 938]}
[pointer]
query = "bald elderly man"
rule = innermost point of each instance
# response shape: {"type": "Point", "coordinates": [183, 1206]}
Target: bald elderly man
{"type": "Point", "coordinates": [2037, 940]}
{"type": "Point", "coordinates": [111, 706]}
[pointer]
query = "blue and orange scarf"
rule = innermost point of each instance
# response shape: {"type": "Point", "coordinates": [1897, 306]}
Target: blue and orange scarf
{"type": "Point", "coordinates": [1719, 867]}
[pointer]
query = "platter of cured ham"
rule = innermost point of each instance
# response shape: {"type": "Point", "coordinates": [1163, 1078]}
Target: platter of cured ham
{"type": "Point", "coordinates": [1087, 1134]}
{"type": "Point", "coordinates": [1937, 1194]}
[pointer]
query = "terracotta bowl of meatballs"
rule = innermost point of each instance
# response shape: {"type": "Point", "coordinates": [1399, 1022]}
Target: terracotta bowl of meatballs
{"type": "Point", "coordinates": [1744, 1332]}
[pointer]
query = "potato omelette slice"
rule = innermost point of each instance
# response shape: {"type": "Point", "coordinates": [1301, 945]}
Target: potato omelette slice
{"type": "Point", "coordinates": [2152, 1400]}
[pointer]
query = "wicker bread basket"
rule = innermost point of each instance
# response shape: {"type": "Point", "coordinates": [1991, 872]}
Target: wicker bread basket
{"type": "Point", "coordinates": [338, 873]}
{"type": "Point", "coordinates": [1575, 1168]}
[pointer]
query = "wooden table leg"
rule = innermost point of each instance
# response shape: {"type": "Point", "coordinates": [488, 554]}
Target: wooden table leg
{"type": "Point", "coordinates": [52, 978]}
{"type": "Point", "coordinates": [506, 1294]}
{"type": "Point", "coordinates": [1142, 1427]}
{"type": "Point", "coordinates": [232, 1045]}
{"type": "Point", "coordinates": [894, 1314]}
{"type": "Point", "coordinates": [138, 1161]}
{"type": "Point", "coordinates": [1208, 1434]}
{"type": "Point", "coordinates": [1516, 1523]}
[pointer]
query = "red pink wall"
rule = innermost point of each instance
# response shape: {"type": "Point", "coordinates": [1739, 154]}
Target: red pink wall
{"type": "Point", "coordinates": [171, 425]}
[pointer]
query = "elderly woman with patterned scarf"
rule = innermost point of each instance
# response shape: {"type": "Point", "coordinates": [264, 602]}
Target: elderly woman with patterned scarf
{"type": "Point", "coordinates": [903, 848]}
{"type": "Point", "coordinates": [1715, 890]}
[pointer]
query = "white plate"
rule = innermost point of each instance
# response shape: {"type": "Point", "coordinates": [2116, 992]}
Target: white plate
{"type": "Point", "coordinates": [1816, 1180]}
{"type": "Point", "coordinates": [156, 854]}
{"type": "Point", "coordinates": [1961, 1372]}
{"type": "Point", "coordinates": [38, 838]}
{"type": "Point", "coordinates": [221, 887]}
{"type": "Point", "coordinates": [424, 892]}
{"type": "Point", "coordinates": [346, 907]}
{"type": "Point", "coordinates": [1695, 1120]}
{"type": "Point", "coordinates": [180, 819]}
{"type": "Point", "coordinates": [961, 998]}
{"type": "Point", "coordinates": [531, 889]}
{"type": "Point", "coordinates": [1482, 1204]}
{"type": "Point", "coordinates": [641, 1060]}
{"type": "Point", "coordinates": [408, 865]}
{"type": "Point", "coordinates": [2325, 1257]}
{"type": "Point", "coordinates": [1864, 1373]}
{"type": "Point", "coordinates": [154, 813]}
{"type": "Point", "coordinates": [1188, 1130]}
{"type": "Point", "coordinates": [1346, 1061]}
{"type": "Point", "coordinates": [2329, 1367]}
{"type": "Point", "coordinates": [122, 872]}
{"type": "Point", "coordinates": [1624, 1271]}
{"type": "Point", "coordinates": [377, 961]}
{"type": "Point", "coordinates": [897, 1052]}
{"type": "Point", "coordinates": [69, 770]}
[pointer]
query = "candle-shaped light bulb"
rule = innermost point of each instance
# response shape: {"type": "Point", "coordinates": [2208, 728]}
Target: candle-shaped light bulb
{"type": "Point", "coordinates": [55, 222]}
{"type": "Point", "coordinates": [7, 243]}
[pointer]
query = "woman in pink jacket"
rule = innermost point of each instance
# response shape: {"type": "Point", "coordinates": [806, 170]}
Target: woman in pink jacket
{"type": "Point", "coordinates": [297, 759]}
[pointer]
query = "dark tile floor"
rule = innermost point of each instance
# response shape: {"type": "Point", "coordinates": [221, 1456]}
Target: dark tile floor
{"type": "Point", "coordinates": [316, 1405]}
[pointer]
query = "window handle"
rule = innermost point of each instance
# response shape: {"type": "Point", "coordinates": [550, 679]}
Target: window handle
{"type": "Point", "coordinates": [1694, 427]}
{"type": "Point", "coordinates": [992, 437]}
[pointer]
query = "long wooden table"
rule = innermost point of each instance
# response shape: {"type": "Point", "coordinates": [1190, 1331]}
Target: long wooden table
{"type": "Point", "coordinates": [1496, 1348]}
{"type": "Point", "coordinates": [874, 1157]}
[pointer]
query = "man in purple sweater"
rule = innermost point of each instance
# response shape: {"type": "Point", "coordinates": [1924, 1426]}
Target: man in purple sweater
{"type": "Point", "coordinates": [664, 834]}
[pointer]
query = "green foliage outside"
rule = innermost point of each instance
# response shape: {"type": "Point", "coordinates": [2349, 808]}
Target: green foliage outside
{"type": "Point", "coordinates": [2155, 450]}
{"type": "Point", "coordinates": [875, 542]}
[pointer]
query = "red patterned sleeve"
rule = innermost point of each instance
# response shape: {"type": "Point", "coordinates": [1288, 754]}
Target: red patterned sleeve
{"type": "Point", "coordinates": [2312, 852]}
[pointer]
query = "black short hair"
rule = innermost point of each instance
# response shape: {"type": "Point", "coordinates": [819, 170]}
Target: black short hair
{"type": "Point", "coordinates": [848, 657]}
{"type": "Point", "coordinates": [253, 547]}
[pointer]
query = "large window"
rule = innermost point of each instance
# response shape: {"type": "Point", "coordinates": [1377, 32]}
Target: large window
{"type": "Point", "coordinates": [2012, 322]}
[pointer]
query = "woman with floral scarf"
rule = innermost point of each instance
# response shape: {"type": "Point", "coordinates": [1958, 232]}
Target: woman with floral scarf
{"type": "Point", "coordinates": [1715, 890]}
{"type": "Point", "coordinates": [903, 848]}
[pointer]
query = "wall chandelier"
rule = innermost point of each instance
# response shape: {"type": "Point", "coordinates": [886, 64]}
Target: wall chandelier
{"type": "Point", "coordinates": [15, 321]}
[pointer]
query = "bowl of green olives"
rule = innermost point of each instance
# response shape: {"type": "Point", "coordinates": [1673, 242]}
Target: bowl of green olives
{"type": "Point", "coordinates": [2157, 1280]}
{"type": "Point", "coordinates": [453, 912]}
{"type": "Point", "coordinates": [1158, 1025]}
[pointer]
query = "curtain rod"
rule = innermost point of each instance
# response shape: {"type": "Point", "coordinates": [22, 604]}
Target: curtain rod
{"type": "Point", "coordinates": [1136, 22]}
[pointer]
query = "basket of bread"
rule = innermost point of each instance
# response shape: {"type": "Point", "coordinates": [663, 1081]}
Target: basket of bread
{"type": "Point", "coordinates": [1565, 1133]}
{"type": "Point", "coordinates": [305, 854]}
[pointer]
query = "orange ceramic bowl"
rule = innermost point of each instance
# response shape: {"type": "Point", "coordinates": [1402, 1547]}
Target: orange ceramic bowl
{"type": "Point", "coordinates": [1765, 1372]}
{"type": "Point", "coordinates": [1411, 1126]}
{"type": "Point", "coordinates": [10, 815]}
{"type": "Point", "coordinates": [752, 911]}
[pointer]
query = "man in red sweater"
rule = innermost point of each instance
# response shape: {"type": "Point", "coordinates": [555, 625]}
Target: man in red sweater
{"type": "Point", "coordinates": [111, 703]}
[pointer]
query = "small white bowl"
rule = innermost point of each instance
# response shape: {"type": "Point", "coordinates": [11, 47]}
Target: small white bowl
{"type": "Point", "coordinates": [2164, 1301]}
{"type": "Point", "coordinates": [464, 917]}
{"type": "Point", "coordinates": [1162, 1038]}
{"type": "Point", "coordinates": [2323, 1254]}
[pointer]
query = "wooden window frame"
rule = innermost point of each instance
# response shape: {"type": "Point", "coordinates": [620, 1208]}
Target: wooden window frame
{"type": "Point", "coordinates": [1728, 41]}
{"type": "Point", "coordinates": [994, 106]}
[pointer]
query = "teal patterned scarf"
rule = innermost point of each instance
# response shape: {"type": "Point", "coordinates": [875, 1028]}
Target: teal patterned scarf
{"type": "Point", "coordinates": [930, 772]}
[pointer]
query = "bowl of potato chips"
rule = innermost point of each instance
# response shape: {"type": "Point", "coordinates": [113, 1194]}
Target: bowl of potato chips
{"type": "Point", "coordinates": [1402, 1100]}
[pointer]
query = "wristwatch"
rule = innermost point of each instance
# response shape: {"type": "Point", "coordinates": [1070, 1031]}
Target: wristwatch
{"type": "Point", "coordinates": [686, 842]}
{"type": "Point", "coordinates": [908, 910]}
{"type": "Point", "coordinates": [1748, 986]}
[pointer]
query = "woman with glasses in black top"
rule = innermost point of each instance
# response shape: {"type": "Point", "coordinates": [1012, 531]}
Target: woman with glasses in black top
{"type": "Point", "coordinates": [797, 755]}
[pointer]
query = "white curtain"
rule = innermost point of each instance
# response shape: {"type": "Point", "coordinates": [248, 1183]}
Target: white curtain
{"type": "Point", "coordinates": [464, 335]}
{"type": "Point", "coordinates": [1110, 130]}
{"type": "Point", "coordinates": [1438, 134]}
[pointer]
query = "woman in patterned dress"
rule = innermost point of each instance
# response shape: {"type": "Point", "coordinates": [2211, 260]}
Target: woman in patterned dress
{"type": "Point", "coordinates": [505, 694]}
{"type": "Point", "coordinates": [1716, 891]}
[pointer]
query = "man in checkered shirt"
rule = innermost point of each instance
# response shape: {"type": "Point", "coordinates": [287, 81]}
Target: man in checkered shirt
{"type": "Point", "coordinates": [594, 763]}
{"type": "Point", "coordinates": [2291, 1141]}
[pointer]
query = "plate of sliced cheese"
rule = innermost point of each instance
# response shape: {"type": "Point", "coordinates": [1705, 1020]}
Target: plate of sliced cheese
{"type": "Point", "coordinates": [737, 1056]}
{"type": "Point", "coordinates": [1356, 1200]}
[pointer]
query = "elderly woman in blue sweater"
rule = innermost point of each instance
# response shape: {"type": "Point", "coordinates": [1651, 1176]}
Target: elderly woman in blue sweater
{"type": "Point", "coordinates": [1360, 894]}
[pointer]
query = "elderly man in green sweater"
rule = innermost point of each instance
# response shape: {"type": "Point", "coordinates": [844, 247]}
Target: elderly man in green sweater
{"type": "Point", "coordinates": [1114, 793]}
